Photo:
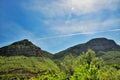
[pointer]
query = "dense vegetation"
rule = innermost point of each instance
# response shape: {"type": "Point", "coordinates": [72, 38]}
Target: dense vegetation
{"type": "Point", "coordinates": [22, 66]}
{"type": "Point", "coordinates": [84, 67]}
{"type": "Point", "coordinates": [111, 57]}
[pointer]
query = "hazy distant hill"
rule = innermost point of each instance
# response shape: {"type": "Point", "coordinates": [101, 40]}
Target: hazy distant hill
{"type": "Point", "coordinates": [25, 48]}
{"type": "Point", "coordinates": [99, 45]}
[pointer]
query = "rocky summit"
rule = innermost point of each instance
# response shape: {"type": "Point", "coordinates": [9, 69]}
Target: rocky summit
{"type": "Point", "coordinates": [23, 47]}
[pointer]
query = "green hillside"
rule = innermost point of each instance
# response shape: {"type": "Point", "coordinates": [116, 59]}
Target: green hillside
{"type": "Point", "coordinates": [25, 67]}
{"type": "Point", "coordinates": [84, 67]}
{"type": "Point", "coordinates": [97, 59]}
{"type": "Point", "coordinates": [111, 57]}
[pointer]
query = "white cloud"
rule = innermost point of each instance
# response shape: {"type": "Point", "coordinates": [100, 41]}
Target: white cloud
{"type": "Point", "coordinates": [87, 27]}
{"type": "Point", "coordinates": [66, 7]}
{"type": "Point", "coordinates": [88, 6]}
{"type": "Point", "coordinates": [69, 35]}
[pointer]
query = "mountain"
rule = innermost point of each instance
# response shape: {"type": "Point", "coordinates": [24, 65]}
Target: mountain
{"type": "Point", "coordinates": [27, 48]}
{"type": "Point", "coordinates": [99, 45]}
{"type": "Point", "coordinates": [23, 47]}
{"type": "Point", "coordinates": [23, 60]}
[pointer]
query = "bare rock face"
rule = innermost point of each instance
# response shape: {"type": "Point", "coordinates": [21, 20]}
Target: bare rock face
{"type": "Point", "coordinates": [24, 47]}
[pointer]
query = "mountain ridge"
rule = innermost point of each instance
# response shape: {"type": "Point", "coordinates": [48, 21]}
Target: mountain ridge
{"type": "Point", "coordinates": [96, 44]}
{"type": "Point", "coordinates": [27, 48]}
{"type": "Point", "coordinates": [23, 47]}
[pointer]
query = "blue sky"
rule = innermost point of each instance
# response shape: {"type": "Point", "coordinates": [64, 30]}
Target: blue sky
{"type": "Point", "coordinates": [55, 25]}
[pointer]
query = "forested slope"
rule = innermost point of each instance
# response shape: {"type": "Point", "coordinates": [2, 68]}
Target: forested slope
{"type": "Point", "coordinates": [98, 59]}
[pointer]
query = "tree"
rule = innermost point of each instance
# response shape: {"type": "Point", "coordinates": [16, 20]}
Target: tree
{"type": "Point", "coordinates": [87, 66]}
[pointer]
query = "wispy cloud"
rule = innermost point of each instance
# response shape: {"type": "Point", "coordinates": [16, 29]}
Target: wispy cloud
{"type": "Point", "coordinates": [74, 34]}
{"type": "Point", "coordinates": [65, 7]}
{"type": "Point", "coordinates": [38, 20]}
{"type": "Point", "coordinates": [86, 26]}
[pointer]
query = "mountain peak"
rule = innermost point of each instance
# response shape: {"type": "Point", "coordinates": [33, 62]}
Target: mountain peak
{"type": "Point", "coordinates": [23, 47]}
{"type": "Point", "coordinates": [24, 42]}
{"type": "Point", "coordinates": [98, 39]}
{"type": "Point", "coordinates": [102, 44]}
{"type": "Point", "coordinates": [96, 44]}
{"type": "Point", "coordinates": [101, 41]}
